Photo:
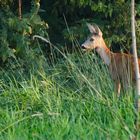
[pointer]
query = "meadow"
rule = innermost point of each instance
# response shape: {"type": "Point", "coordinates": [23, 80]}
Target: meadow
{"type": "Point", "coordinates": [73, 99]}
{"type": "Point", "coordinates": [58, 92]}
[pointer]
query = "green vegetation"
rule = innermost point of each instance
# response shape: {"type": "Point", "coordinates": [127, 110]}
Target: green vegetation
{"type": "Point", "coordinates": [58, 92]}
{"type": "Point", "coordinates": [113, 17]}
{"type": "Point", "coordinates": [73, 99]}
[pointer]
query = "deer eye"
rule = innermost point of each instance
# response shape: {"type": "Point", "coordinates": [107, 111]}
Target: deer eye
{"type": "Point", "coordinates": [92, 39]}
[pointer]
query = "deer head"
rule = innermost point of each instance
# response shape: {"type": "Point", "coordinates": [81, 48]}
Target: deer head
{"type": "Point", "coordinates": [95, 40]}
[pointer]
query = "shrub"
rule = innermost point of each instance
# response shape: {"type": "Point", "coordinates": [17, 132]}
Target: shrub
{"type": "Point", "coordinates": [16, 34]}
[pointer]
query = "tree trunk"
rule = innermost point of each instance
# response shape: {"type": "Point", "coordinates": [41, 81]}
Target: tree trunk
{"type": "Point", "coordinates": [19, 8]}
{"type": "Point", "coordinates": [137, 96]}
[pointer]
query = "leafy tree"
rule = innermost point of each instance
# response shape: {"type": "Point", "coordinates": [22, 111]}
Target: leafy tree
{"type": "Point", "coordinates": [112, 16]}
{"type": "Point", "coordinates": [16, 34]}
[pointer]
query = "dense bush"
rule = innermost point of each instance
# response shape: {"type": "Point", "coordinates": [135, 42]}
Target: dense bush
{"type": "Point", "coordinates": [16, 34]}
{"type": "Point", "coordinates": [67, 24]}
{"type": "Point", "coordinates": [113, 17]}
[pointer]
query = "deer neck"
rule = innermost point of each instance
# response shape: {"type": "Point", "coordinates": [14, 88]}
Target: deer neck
{"type": "Point", "coordinates": [104, 53]}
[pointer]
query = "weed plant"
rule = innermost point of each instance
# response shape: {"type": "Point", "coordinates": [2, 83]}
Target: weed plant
{"type": "Point", "coordinates": [72, 99]}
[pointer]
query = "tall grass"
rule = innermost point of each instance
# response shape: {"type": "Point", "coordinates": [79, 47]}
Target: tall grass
{"type": "Point", "coordinates": [73, 99]}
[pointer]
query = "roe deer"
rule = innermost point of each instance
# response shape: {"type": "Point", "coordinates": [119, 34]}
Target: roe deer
{"type": "Point", "coordinates": [121, 65]}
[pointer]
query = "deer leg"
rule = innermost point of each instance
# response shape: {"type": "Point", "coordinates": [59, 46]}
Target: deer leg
{"type": "Point", "coordinates": [118, 88]}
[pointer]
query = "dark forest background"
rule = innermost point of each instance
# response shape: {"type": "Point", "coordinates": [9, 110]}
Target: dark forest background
{"type": "Point", "coordinates": [64, 23]}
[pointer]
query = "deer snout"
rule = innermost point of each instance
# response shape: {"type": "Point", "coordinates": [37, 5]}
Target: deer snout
{"type": "Point", "coordinates": [83, 47]}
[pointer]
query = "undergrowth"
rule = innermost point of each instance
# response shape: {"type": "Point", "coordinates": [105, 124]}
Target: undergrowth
{"type": "Point", "coordinates": [71, 99]}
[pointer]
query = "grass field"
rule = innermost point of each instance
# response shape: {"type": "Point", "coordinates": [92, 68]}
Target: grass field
{"type": "Point", "coordinates": [70, 100]}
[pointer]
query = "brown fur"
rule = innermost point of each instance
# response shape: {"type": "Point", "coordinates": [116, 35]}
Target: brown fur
{"type": "Point", "coordinates": [121, 65]}
{"type": "Point", "coordinates": [122, 70]}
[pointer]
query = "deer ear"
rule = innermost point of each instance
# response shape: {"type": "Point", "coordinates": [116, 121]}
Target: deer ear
{"type": "Point", "coordinates": [91, 28]}
{"type": "Point", "coordinates": [99, 31]}
{"type": "Point", "coordinates": [94, 29]}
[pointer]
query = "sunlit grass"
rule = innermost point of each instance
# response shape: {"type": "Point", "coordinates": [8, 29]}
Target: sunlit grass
{"type": "Point", "coordinates": [73, 99]}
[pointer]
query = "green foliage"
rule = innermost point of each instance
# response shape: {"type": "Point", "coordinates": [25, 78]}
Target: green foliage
{"type": "Point", "coordinates": [113, 17]}
{"type": "Point", "coordinates": [113, 21]}
{"type": "Point", "coordinates": [16, 34]}
{"type": "Point", "coordinates": [67, 20]}
{"type": "Point", "coordinates": [73, 99]}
